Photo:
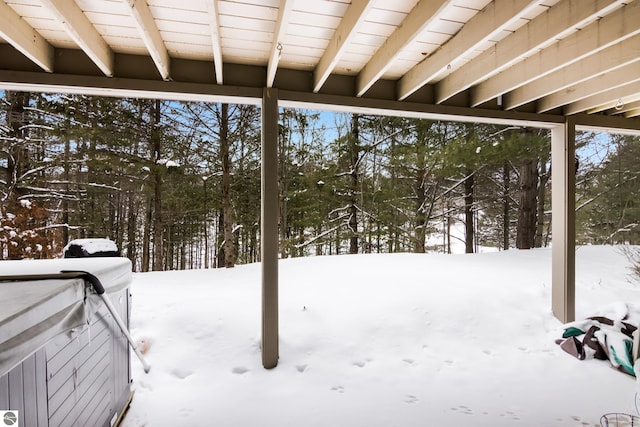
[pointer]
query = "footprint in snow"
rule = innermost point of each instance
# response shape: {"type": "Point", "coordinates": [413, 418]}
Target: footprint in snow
{"type": "Point", "coordinates": [359, 364]}
{"type": "Point", "coordinates": [239, 370]}
{"type": "Point", "coordinates": [301, 368]}
{"type": "Point", "coordinates": [181, 373]}
{"type": "Point", "coordinates": [338, 388]}
{"type": "Point", "coordinates": [463, 409]}
{"type": "Point", "coordinates": [410, 398]}
{"type": "Point", "coordinates": [409, 361]}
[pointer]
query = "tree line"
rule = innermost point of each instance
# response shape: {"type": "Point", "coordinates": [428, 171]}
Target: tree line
{"type": "Point", "coordinates": [177, 185]}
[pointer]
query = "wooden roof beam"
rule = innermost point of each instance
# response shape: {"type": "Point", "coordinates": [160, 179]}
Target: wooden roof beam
{"type": "Point", "coordinates": [348, 27]}
{"type": "Point", "coordinates": [545, 29]}
{"type": "Point", "coordinates": [613, 28]}
{"type": "Point", "coordinates": [634, 112]}
{"type": "Point", "coordinates": [420, 17]}
{"type": "Point", "coordinates": [284, 12]}
{"type": "Point", "coordinates": [83, 33]}
{"type": "Point", "coordinates": [25, 39]}
{"type": "Point", "coordinates": [613, 98]}
{"type": "Point", "coordinates": [150, 35]}
{"type": "Point", "coordinates": [216, 43]}
{"type": "Point", "coordinates": [593, 75]}
{"type": "Point", "coordinates": [485, 25]}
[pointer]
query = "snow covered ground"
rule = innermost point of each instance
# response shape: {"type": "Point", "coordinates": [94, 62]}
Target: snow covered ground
{"type": "Point", "coordinates": [379, 340]}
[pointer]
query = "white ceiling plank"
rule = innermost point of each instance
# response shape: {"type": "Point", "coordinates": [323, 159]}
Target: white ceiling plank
{"type": "Point", "coordinates": [82, 31]}
{"type": "Point", "coordinates": [556, 23]}
{"type": "Point", "coordinates": [231, 23]}
{"type": "Point", "coordinates": [25, 39]}
{"type": "Point", "coordinates": [150, 35]}
{"type": "Point", "coordinates": [216, 44]}
{"type": "Point", "coordinates": [603, 101]}
{"type": "Point", "coordinates": [425, 13]}
{"type": "Point", "coordinates": [613, 28]}
{"type": "Point", "coordinates": [245, 10]}
{"type": "Point", "coordinates": [562, 85]}
{"type": "Point", "coordinates": [482, 27]}
{"type": "Point", "coordinates": [284, 15]}
{"type": "Point", "coordinates": [308, 31]}
{"type": "Point", "coordinates": [343, 36]}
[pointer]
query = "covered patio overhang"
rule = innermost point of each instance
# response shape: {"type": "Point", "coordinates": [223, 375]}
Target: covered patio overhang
{"type": "Point", "coordinates": [563, 65]}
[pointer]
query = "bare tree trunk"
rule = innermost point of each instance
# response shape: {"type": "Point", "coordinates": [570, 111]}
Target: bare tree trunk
{"type": "Point", "coordinates": [157, 188]}
{"type": "Point", "coordinates": [420, 232]}
{"type": "Point", "coordinates": [65, 201]}
{"type": "Point", "coordinates": [17, 160]}
{"type": "Point", "coordinates": [544, 178]}
{"type": "Point", "coordinates": [283, 184]}
{"type": "Point", "coordinates": [229, 250]}
{"type": "Point", "coordinates": [449, 226]}
{"type": "Point", "coordinates": [354, 150]}
{"type": "Point", "coordinates": [146, 241]}
{"type": "Point", "coordinates": [131, 231]}
{"type": "Point", "coordinates": [527, 208]}
{"type": "Point", "coordinates": [220, 240]}
{"type": "Point", "coordinates": [468, 213]}
{"type": "Point", "coordinates": [506, 205]}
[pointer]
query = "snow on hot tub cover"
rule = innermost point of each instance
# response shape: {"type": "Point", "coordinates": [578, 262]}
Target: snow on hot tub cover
{"type": "Point", "coordinates": [34, 311]}
{"type": "Point", "coordinates": [80, 248]}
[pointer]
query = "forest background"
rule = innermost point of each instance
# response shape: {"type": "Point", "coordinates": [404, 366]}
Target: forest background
{"type": "Point", "coordinates": [177, 185]}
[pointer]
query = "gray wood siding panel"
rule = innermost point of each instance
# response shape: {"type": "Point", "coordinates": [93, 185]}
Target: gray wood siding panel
{"type": "Point", "coordinates": [73, 386]}
{"type": "Point", "coordinates": [62, 349]}
{"type": "Point", "coordinates": [72, 356]}
{"type": "Point", "coordinates": [4, 392]}
{"type": "Point", "coordinates": [29, 417]}
{"type": "Point", "coordinates": [120, 353]}
{"type": "Point", "coordinates": [95, 386]}
{"type": "Point", "coordinates": [94, 401]}
{"type": "Point", "coordinates": [42, 402]}
{"type": "Point", "coordinates": [16, 389]}
{"type": "Point", "coordinates": [85, 363]}
{"type": "Point", "coordinates": [24, 389]}
{"type": "Point", "coordinates": [70, 409]}
{"type": "Point", "coordinates": [101, 413]}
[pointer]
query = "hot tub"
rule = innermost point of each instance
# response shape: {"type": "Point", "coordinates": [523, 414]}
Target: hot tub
{"type": "Point", "coordinates": [63, 359]}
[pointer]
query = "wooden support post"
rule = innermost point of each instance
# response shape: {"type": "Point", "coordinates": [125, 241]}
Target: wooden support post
{"type": "Point", "coordinates": [563, 221]}
{"type": "Point", "coordinates": [269, 228]}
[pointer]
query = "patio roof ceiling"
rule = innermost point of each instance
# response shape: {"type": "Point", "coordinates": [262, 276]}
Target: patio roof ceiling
{"type": "Point", "coordinates": [539, 60]}
{"type": "Point", "coordinates": [561, 64]}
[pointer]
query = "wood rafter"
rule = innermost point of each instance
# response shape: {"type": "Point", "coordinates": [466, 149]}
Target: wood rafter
{"type": "Point", "coordinates": [83, 33]}
{"type": "Point", "coordinates": [25, 39]}
{"type": "Point", "coordinates": [557, 22]}
{"type": "Point", "coordinates": [214, 27]}
{"type": "Point", "coordinates": [354, 16]}
{"type": "Point", "coordinates": [284, 13]}
{"type": "Point", "coordinates": [613, 28]}
{"type": "Point", "coordinates": [420, 17]}
{"type": "Point", "coordinates": [150, 35]}
{"type": "Point", "coordinates": [585, 87]}
{"type": "Point", "coordinates": [492, 20]}
{"type": "Point", "coordinates": [633, 110]}
{"type": "Point", "coordinates": [618, 96]}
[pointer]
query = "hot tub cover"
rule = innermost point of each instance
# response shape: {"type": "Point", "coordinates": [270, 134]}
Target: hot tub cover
{"type": "Point", "coordinates": [35, 306]}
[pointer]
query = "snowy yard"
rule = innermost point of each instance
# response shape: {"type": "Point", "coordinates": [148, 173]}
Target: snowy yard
{"type": "Point", "coordinates": [379, 340]}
